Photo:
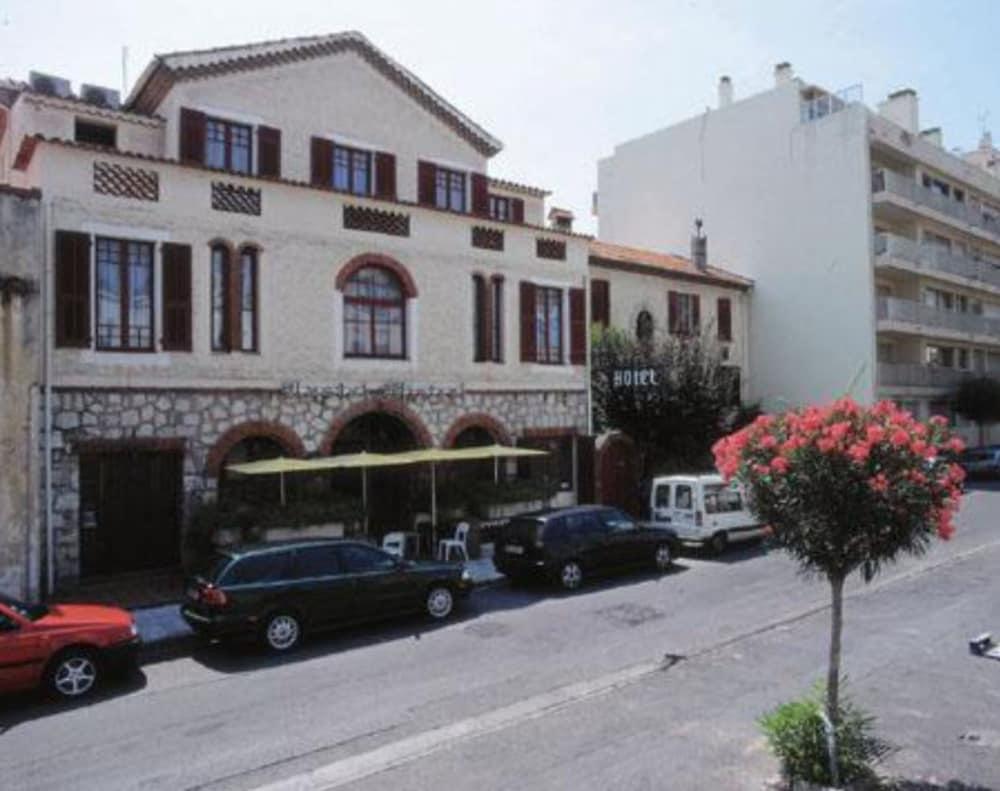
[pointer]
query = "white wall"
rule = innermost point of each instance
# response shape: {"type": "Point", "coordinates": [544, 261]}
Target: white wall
{"type": "Point", "coordinates": [784, 202]}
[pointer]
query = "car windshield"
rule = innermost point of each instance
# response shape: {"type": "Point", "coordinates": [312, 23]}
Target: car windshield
{"type": "Point", "coordinates": [30, 611]}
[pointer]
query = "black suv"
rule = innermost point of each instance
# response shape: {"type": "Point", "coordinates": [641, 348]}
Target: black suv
{"type": "Point", "coordinates": [278, 591]}
{"type": "Point", "coordinates": [570, 543]}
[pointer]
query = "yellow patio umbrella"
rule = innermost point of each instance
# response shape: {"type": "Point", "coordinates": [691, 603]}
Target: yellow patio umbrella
{"type": "Point", "coordinates": [278, 466]}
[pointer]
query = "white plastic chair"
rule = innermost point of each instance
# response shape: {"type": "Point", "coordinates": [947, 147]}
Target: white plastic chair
{"type": "Point", "coordinates": [458, 543]}
{"type": "Point", "coordinates": [394, 544]}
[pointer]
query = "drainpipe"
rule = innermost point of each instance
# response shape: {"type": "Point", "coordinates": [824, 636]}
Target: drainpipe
{"type": "Point", "coordinates": [47, 398]}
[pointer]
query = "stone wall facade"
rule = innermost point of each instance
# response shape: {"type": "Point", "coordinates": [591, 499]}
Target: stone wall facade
{"type": "Point", "coordinates": [211, 422]}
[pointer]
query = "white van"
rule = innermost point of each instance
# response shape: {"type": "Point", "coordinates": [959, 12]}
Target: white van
{"type": "Point", "coordinates": [702, 509]}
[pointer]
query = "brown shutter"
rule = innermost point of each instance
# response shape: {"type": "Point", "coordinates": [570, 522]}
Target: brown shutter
{"type": "Point", "coordinates": [234, 304]}
{"type": "Point", "coordinates": [577, 326]}
{"type": "Point", "coordinates": [176, 309]}
{"type": "Point", "coordinates": [528, 352]}
{"type": "Point", "coordinates": [672, 313]}
{"type": "Point", "coordinates": [695, 314]}
{"type": "Point", "coordinates": [426, 175]}
{"type": "Point", "coordinates": [725, 319]}
{"type": "Point", "coordinates": [517, 210]}
{"type": "Point", "coordinates": [385, 175]}
{"type": "Point", "coordinates": [192, 143]}
{"type": "Point", "coordinates": [268, 151]}
{"type": "Point", "coordinates": [480, 195]}
{"type": "Point", "coordinates": [479, 323]}
{"type": "Point", "coordinates": [496, 318]}
{"type": "Point", "coordinates": [72, 289]}
{"type": "Point", "coordinates": [321, 167]}
{"type": "Point", "coordinates": [600, 302]}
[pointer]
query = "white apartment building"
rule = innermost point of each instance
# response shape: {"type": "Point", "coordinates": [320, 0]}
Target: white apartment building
{"type": "Point", "coordinates": [874, 251]}
{"type": "Point", "coordinates": [288, 247]}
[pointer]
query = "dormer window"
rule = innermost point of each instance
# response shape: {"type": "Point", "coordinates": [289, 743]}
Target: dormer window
{"type": "Point", "coordinates": [227, 145]}
{"type": "Point", "coordinates": [352, 170]}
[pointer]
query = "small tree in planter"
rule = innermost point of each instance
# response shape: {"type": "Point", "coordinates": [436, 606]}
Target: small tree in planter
{"type": "Point", "coordinates": [846, 489]}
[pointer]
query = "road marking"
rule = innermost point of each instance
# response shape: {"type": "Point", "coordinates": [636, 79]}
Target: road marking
{"type": "Point", "coordinates": [420, 745]}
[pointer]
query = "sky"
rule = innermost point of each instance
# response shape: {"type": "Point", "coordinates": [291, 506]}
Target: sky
{"type": "Point", "coordinates": [561, 83]}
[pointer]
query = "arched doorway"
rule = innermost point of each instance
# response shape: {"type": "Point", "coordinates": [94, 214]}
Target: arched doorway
{"type": "Point", "coordinates": [393, 492]}
{"type": "Point", "coordinates": [473, 471]}
{"type": "Point", "coordinates": [618, 473]}
{"type": "Point", "coordinates": [257, 489]}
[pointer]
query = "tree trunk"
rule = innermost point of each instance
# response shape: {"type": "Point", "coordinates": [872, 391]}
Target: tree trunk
{"type": "Point", "coordinates": [833, 670]}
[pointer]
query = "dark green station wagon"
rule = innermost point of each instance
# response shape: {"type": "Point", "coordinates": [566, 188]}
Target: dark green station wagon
{"type": "Point", "coordinates": [277, 592]}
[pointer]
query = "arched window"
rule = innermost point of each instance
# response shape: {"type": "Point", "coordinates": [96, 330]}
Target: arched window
{"type": "Point", "coordinates": [374, 314]}
{"type": "Point", "coordinates": [644, 326]}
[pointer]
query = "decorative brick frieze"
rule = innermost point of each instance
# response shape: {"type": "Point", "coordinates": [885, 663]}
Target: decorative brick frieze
{"type": "Point", "coordinates": [236, 199]}
{"type": "Point", "coordinates": [550, 248]}
{"type": "Point", "coordinates": [487, 238]}
{"type": "Point", "coordinates": [365, 218]}
{"type": "Point", "coordinates": [121, 181]}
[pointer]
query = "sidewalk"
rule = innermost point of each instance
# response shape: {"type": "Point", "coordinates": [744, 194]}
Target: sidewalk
{"type": "Point", "coordinates": [165, 634]}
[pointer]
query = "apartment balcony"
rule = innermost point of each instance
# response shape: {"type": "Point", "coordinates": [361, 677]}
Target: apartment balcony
{"type": "Point", "coordinates": [924, 376]}
{"type": "Point", "coordinates": [900, 190]}
{"type": "Point", "coordinates": [909, 316]}
{"type": "Point", "coordinates": [935, 260]}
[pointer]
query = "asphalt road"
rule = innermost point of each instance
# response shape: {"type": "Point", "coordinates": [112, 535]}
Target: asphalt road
{"type": "Point", "coordinates": [641, 682]}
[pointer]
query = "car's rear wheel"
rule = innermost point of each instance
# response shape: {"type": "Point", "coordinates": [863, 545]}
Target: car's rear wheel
{"type": "Point", "coordinates": [282, 631]}
{"type": "Point", "coordinates": [440, 602]}
{"type": "Point", "coordinates": [663, 557]}
{"type": "Point", "coordinates": [73, 673]}
{"type": "Point", "coordinates": [718, 543]}
{"type": "Point", "coordinates": [570, 575]}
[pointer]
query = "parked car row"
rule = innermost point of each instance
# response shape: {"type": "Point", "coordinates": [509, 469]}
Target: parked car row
{"type": "Point", "coordinates": [983, 462]}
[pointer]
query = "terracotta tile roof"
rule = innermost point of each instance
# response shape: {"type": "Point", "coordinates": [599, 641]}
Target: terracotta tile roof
{"type": "Point", "coordinates": [664, 264]}
{"type": "Point", "coordinates": [513, 186]}
{"type": "Point", "coordinates": [169, 68]}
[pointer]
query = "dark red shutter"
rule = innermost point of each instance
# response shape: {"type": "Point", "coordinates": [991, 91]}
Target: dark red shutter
{"type": "Point", "coordinates": [72, 289]}
{"type": "Point", "coordinates": [528, 352]}
{"type": "Point", "coordinates": [385, 175]}
{"type": "Point", "coordinates": [192, 143]}
{"type": "Point", "coordinates": [176, 297]}
{"type": "Point", "coordinates": [673, 310]}
{"type": "Point", "coordinates": [577, 326]}
{"type": "Point", "coordinates": [234, 303]}
{"type": "Point", "coordinates": [321, 166]}
{"type": "Point", "coordinates": [496, 318]}
{"type": "Point", "coordinates": [269, 151]}
{"type": "Point", "coordinates": [517, 210]}
{"type": "Point", "coordinates": [695, 314]}
{"type": "Point", "coordinates": [480, 195]}
{"type": "Point", "coordinates": [426, 176]}
{"type": "Point", "coordinates": [725, 320]}
{"type": "Point", "coordinates": [600, 302]}
{"type": "Point", "coordinates": [479, 323]}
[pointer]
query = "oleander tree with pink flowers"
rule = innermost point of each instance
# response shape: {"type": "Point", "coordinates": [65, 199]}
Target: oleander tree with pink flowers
{"type": "Point", "coordinates": [846, 489]}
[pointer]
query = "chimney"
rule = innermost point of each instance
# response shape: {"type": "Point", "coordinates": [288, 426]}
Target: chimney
{"type": "Point", "coordinates": [699, 247]}
{"type": "Point", "coordinates": [933, 136]}
{"type": "Point", "coordinates": [725, 91]}
{"type": "Point", "coordinates": [901, 107]}
{"type": "Point", "coordinates": [561, 219]}
{"type": "Point", "coordinates": [782, 73]}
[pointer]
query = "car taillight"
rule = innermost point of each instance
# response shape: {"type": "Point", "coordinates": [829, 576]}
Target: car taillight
{"type": "Point", "coordinates": [698, 518]}
{"type": "Point", "coordinates": [212, 596]}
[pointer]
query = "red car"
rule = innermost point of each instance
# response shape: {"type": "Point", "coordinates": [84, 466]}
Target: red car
{"type": "Point", "coordinates": [65, 648]}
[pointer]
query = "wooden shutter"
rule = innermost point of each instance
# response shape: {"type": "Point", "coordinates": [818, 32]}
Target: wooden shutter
{"type": "Point", "coordinates": [192, 143]}
{"type": "Point", "coordinates": [517, 210]}
{"type": "Point", "coordinates": [577, 326]}
{"type": "Point", "coordinates": [72, 289]}
{"type": "Point", "coordinates": [695, 314]}
{"type": "Point", "coordinates": [480, 195]}
{"type": "Point", "coordinates": [385, 175]}
{"type": "Point", "coordinates": [673, 311]}
{"type": "Point", "coordinates": [321, 162]}
{"type": "Point", "coordinates": [480, 326]}
{"type": "Point", "coordinates": [496, 304]}
{"type": "Point", "coordinates": [426, 176]}
{"type": "Point", "coordinates": [528, 352]}
{"type": "Point", "coordinates": [176, 309]}
{"type": "Point", "coordinates": [600, 302]}
{"type": "Point", "coordinates": [725, 319]}
{"type": "Point", "coordinates": [268, 151]}
{"type": "Point", "coordinates": [234, 304]}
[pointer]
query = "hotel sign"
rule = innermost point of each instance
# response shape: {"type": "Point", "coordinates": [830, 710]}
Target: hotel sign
{"type": "Point", "coordinates": [635, 377]}
{"type": "Point", "coordinates": [397, 391]}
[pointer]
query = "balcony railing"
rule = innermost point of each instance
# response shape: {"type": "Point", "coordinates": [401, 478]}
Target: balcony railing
{"type": "Point", "coordinates": [908, 311]}
{"type": "Point", "coordinates": [931, 257]}
{"type": "Point", "coordinates": [916, 375]}
{"type": "Point", "coordinates": [905, 187]}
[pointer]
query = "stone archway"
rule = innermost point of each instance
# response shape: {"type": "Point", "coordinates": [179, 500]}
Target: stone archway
{"type": "Point", "coordinates": [286, 438]}
{"type": "Point", "coordinates": [481, 420]}
{"type": "Point", "coordinates": [385, 406]}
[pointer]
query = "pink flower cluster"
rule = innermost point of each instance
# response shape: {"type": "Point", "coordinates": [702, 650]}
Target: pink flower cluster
{"type": "Point", "coordinates": [884, 443]}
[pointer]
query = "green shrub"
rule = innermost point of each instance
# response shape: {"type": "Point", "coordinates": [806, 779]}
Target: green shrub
{"type": "Point", "coordinates": [797, 735]}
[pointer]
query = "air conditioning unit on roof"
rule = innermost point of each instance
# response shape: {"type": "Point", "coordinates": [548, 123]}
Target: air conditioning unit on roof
{"type": "Point", "coordinates": [50, 85]}
{"type": "Point", "coordinates": [102, 97]}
